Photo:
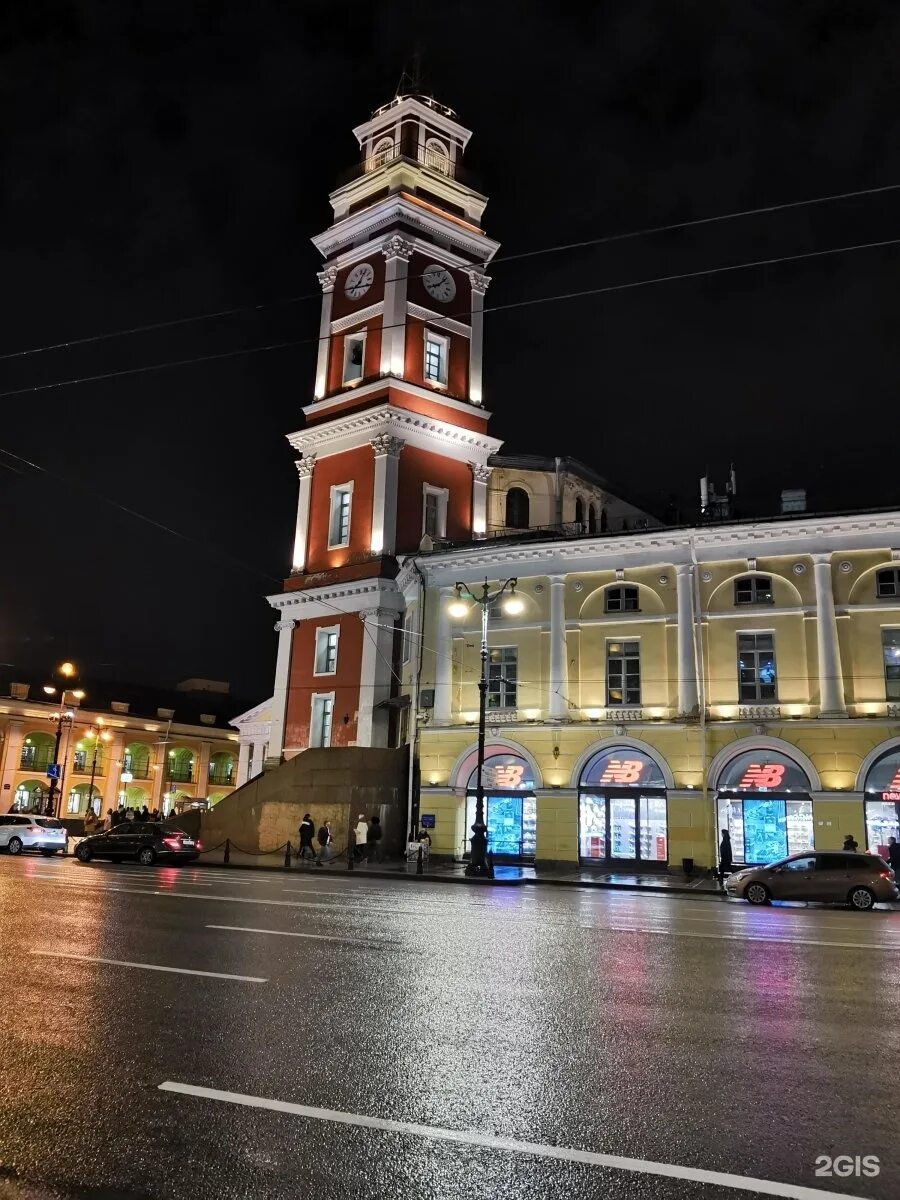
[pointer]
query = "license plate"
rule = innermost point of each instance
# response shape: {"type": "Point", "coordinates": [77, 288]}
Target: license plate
{"type": "Point", "coordinates": [187, 841]}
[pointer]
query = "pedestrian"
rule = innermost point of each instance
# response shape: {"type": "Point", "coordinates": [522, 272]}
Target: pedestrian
{"type": "Point", "coordinates": [850, 843]}
{"type": "Point", "coordinates": [145, 814]}
{"type": "Point", "coordinates": [306, 831]}
{"type": "Point", "coordinates": [726, 856]}
{"type": "Point", "coordinates": [425, 843]}
{"type": "Point", "coordinates": [375, 835]}
{"type": "Point", "coordinates": [109, 819]}
{"type": "Point", "coordinates": [894, 855]}
{"type": "Point", "coordinates": [325, 839]}
{"type": "Point", "coordinates": [118, 817]}
{"type": "Point", "coordinates": [362, 838]}
{"type": "Point", "coordinates": [154, 816]}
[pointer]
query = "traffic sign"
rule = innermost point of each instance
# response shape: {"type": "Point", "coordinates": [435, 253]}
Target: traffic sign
{"type": "Point", "coordinates": [53, 771]}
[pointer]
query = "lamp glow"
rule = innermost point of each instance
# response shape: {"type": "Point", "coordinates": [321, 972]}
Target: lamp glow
{"type": "Point", "coordinates": [458, 609]}
{"type": "Point", "coordinates": [67, 669]}
{"type": "Point", "coordinates": [513, 605]}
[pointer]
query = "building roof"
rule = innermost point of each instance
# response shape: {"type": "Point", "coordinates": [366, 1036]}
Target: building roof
{"type": "Point", "coordinates": [539, 462]}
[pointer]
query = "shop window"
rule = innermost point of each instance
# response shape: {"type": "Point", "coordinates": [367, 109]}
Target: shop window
{"type": "Point", "coordinates": [339, 523]}
{"type": "Point", "coordinates": [326, 651]}
{"type": "Point", "coordinates": [623, 673]}
{"type": "Point", "coordinates": [320, 729]}
{"type": "Point", "coordinates": [436, 354]}
{"type": "Point", "coordinates": [517, 508]}
{"type": "Point", "coordinates": [887, 583]}
{"type": "Point", "coordinates": [753, 589]}
{"type": "Point", "coordinates": [756, 667]}
{"type": "Point", "coordinates": [622, 599]}
{"type": "Point", "coordinates": [890, 644]}
{"type": "Point", "coordinates": [354, 356]}
{"type": "Point", "coordinates": [502, 677]}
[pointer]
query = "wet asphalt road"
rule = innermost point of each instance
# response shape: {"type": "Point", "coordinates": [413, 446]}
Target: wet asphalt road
{"type": "Point", "coordinates": [689, 1032]}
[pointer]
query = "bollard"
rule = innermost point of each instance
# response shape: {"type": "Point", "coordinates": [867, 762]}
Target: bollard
{"type": "Point", "coordinates": [420, 858]}
{"type": "Point", "coordinates": [287, 856]}
{"type": "Point", "coordinates": [349, 858]}
{"type": "Point", "coordinates": [226, 858]}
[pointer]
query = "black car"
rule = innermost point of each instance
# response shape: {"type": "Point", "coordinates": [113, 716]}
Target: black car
{"type": "Point", "coordinates": [148, 842]}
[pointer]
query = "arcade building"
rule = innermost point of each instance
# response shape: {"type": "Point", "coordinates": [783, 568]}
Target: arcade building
{"type": "Point", "coordinates": [660, 683]}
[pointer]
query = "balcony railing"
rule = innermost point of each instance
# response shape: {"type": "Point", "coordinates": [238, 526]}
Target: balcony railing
{"type": "Point", "coordinates": [138, 770]}
{"type": "Point", "coordinates": [223, 775]}
{"type": "Point", "coordinates": [438, 164]}
{"type": "Point", "coordinates": [759, 712]}
{"type": "Point", "coordinates": [85, 766]}
{"type": "Point", "coordinates": [180, 774]}
{"type": "Point", "coordinates": [39, 761]}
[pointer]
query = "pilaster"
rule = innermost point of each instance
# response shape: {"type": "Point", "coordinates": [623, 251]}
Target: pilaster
{"type": "Point", "coordinates": [327, 279]}
{"type": "Point", "coordinates": [480, 478]}
{"type": "Point", "coordinates": [688, 700]}
{"type": "Point", "coordinates": [285, 631]}
{"type": "Point", "coordinates": [376, 671]}
{"type": "Point", "coordinates": [831, 679]}
{"type": "Point", "coordinates": [305, 467]}
{"type": "Point", "coordinates": [384, 500]}
{"type": "Point", "coordinates": [479, 285]}
{"type": "Point", "coordinates": [397, 252]}
{"type": "Point", "coordinates": [557, 702]}
{"type": "Point", "coordinates": [443, 659]}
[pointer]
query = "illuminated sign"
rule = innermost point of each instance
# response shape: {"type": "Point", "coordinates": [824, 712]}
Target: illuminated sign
{"type": "Point", "coordinates": [891, 797]}
{"type": "Point", "coordinates": [894, 785]}
{"type": "Point", "coordinates": [623, 770]}
{"type": "Point", "coordinates": [505, 775]}
{"type": "Point", "coordinates": [767, 775]}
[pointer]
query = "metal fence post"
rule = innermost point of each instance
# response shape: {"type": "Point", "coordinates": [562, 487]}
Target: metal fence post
{"type": "Point", "coordinates": [420, 858]}
{"type": "Point", "coordinates": [226, 858]}
{"type": "Point", "coordinates": [287, 856]}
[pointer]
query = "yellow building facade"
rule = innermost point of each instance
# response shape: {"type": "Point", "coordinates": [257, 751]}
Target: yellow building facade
{"type": "Point", "coordinates": [662, 685]}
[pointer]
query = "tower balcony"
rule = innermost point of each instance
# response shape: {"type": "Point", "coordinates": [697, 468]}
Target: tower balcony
{"type": "Point", "coordinates": [438, 165]}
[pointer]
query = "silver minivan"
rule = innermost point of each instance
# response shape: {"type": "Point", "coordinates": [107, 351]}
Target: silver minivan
{"type": "Point", "coordinates": [834, 877]}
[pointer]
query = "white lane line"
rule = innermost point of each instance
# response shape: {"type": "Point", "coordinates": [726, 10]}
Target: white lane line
{"type": "Point", "coordinates": [323, 937]}
{"type": "Point", "coordinates": [435, 1133]}
{"type": "Point", "coordinates": [118, 962]}
{"type": "Point", "coordinates": [739, 937]}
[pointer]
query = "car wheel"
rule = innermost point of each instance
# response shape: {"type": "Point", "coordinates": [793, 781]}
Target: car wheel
{"type": "Point", "coordinates": [49, 853]}
{"type": "Point", "coordinates": [83, 852]}
{"type": "Point", "coordinates": [146, 856]}
{"type": "Point", "coordinates": [757, 893]}
{"type": "Point", "coordinates": [862, 899]}
{"type": "Point", "coordinates": [15, 845]}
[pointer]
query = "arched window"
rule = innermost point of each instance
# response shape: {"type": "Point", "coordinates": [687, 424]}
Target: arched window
{"type": "Point", "coordinates": [882, 788]}
{"type": "Point", "coordinates": [763, 804]}
{"type": "Point", "coordinates": [622, 808]}
{"type": "Point", "coordinates": [436, 156]}
{"type": "Point", "coordinates": [592, 518]}
{"type": "Point", "coordinates": [887, 583]}
{"type": "Point", "coordinates": [579, 511]}
{"type": "Point", "coordinates": [517, 508]}
{"type": "Point", "coordinates": [382, 153]}
{"type": "Point", "coordinates": [510, 806]}
{"type": "Point", "coordinates": [753, 589]}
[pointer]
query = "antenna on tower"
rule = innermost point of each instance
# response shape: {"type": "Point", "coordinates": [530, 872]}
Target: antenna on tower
{"type": "Point", "coordinates": [411, 76]}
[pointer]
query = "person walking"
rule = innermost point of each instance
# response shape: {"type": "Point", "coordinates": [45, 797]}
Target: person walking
{"type": "Point", "coordinates": [375, 835]}
{"type": "Point", "coordinates": [361, 834]}
{"type": "Point", "coordinates": [726, 856]}
{"type": "Point", "coordinates": [850, 843]}
{"type": "Point", "coordinates": [325, 840]}
{"type": "Point", "coordinates": [307, 831]}
{"type": "Point", "coordinates": [894, 855]}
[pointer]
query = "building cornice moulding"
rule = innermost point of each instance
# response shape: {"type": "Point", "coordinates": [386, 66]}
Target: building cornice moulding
{"type": "Point", "coordinates": [435, 318]}
{"type": "Point", "coordinates": [358, 317]}
{"type": "Point", "coordinates": [401, 385]}
{"type": "Point", "coordinates": [338, 599]}
{"type": "Point", "coordinates": [474, 247]}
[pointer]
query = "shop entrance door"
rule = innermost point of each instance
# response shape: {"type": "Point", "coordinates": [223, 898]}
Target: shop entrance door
{"type": "Point", "coordinates": [624, 827]}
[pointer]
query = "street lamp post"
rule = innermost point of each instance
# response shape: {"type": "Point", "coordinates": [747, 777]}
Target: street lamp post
{"type": "Point", "coordinates": [97, 735]}
{"type": "Point", "coordinates": [479, 865]}
{"type": "Point", "coordinates": [67, 670]}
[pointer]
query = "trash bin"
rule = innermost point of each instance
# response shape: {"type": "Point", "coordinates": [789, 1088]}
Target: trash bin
{"type": "Point", "coordinates": [687, 865]}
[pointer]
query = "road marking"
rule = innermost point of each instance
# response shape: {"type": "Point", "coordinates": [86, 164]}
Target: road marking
{"type": "Point", "coordinates": [741, 937]}
{"type": "Point", "coordinates": [118, 962]}
{"type": "Point", "coordinates": [463, 1137]}
{"type": "Point", "coordinates": [323, 937]}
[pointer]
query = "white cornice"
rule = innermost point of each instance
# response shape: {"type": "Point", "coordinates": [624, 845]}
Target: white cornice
{"type": "Point", "coordinates": [474, 245]}
{"type": "Point", "coordinates": [356, 318]}
{"type": "Point", "coordinates": [338, 598]}
{"type": "Point", "coordinates": [711, 544]}
{"type": "Point", "coordinates": [402, 385]}
{"type": "Point", "coordinates": [355, 429]}
{"type": "Point", "coordinates": [436, 318]}
{"type": "Point", "coordinates": [410, 106]}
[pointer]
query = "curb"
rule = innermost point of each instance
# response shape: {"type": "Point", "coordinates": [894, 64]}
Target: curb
{"type": "Point", "coordinates": [412, 877]}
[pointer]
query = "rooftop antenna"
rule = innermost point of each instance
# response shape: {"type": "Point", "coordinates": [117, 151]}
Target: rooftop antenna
{"type": "Point", "coordinates": [411, 75]}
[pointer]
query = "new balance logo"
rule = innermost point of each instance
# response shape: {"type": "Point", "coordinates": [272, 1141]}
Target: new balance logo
{"type": "Point", "coordinates": [758, 776]}
{"type": "Point", "coordinates": [623, 770]}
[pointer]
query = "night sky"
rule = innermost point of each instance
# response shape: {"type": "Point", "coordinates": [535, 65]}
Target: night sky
{"type": "Point", "coordinates": [167, 159]}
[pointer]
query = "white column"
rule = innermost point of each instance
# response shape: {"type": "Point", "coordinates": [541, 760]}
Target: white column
{"type": "Point", "coordinates": [688, 700]}
{"type": "Point", "coordinates": [243, 769]}
{"type": "Point", "coordinates": [327, 279]}
{"type": "Point", "coordinates": [257, 759]}
{"type": "Point", "coordinates": [12, 753]}
{"type": "Point", "coordinates": [203, 769]}
{"type": "Point", "coordinates": [384, 499]}
{"type": "Point", "coordinates": [113, 752]}
{"type": "Point", "coordinates": [397, 252]}
{"type": "Point", "coordinates": [480, 477]}
{"type": "Point", "coordinates": [479, 284]}
{"type": "Point", "coordinates": [285, 630]}
{"type": "Point", "coordinates": [557, 702]}
{"type": "Point", "coordinates": [443, 660]}
{"type": "Point", "coordinates": [375, 676]}
{"type": "Point", "coordinates": [305, 467]}
{"type": "Point", "coordinates": [831, 678]}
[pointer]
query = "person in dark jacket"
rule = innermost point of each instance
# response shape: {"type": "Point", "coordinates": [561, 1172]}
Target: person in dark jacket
{"type": "Point", "coordinates": [726, 856]}
{"type": "Point", "coordinates": [894, 855]}
{"type": "Point", "coordinates": [307, 832]}
{"type": "Point", "coordinates": [375, 835]}
{"type": "Point", "coordinates": [850, 843]}
{"type": "Point", "coordinates": [325, 839]}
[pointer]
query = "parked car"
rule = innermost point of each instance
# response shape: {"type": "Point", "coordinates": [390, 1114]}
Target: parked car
{"type": "Point", "coordinates": [146, 841]}
{"type": "Point", "coordinates": [835, 877]}
{"type": "Point", "coordinates": [20, 832]}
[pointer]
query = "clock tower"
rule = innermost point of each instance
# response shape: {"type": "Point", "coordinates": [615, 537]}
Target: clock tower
{"type": "Point", "coordinates": [394, 447]}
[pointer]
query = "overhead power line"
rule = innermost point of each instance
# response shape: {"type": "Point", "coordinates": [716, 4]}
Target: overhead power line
{"type": "Point", "coordinates": [579, 295]}
{"type": "Point", "coordinates": [558, 248]}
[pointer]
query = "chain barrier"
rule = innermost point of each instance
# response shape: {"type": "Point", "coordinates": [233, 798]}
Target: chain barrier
{"type": "Point", "coordinates": [287, 849]}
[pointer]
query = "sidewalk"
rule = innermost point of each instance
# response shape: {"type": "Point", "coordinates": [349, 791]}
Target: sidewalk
{"type": "Point", "coordinates": [443, 872]}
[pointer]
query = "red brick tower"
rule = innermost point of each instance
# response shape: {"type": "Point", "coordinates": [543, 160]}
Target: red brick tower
{"type": "Point", "coordinates": [395, 443]}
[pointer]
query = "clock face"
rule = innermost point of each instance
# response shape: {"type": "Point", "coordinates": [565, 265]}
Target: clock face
{"type": "Point", "coordinates": [439, 283]}
{"type": "Point", "coordinates": [359, 281]}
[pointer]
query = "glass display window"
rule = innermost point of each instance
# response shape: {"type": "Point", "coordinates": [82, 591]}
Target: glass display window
{"type": "Point", "coordinates": [882, 822]}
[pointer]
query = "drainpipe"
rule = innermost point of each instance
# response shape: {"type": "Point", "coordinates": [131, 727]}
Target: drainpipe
{"type": "Point", "coordinates": [414, 704]}
{"type": "Point", "coordinates": [700, 669]}
{"type": "Point", "coordinates": [559, 507]}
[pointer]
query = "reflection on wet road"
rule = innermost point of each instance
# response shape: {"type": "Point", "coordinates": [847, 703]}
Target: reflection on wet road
{"type": "Point", "coordinates": [214, 1033]}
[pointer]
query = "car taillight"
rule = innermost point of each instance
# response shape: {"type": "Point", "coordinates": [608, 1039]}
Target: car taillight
{"type": "Point", "coordinates": [197, 844]}
{"type": "Point", "coordinates": [173, 842]}
{"type": "Point", "coordinates": [886, 875]}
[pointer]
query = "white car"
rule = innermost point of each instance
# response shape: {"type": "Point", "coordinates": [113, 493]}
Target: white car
{"type": "Point", "coordinates": [19, 832]}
